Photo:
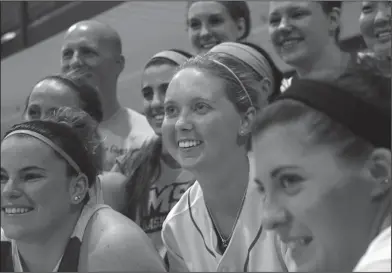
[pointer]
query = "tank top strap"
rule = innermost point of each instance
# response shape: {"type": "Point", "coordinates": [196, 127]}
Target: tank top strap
{"type": "Point", "coordinates": [10, 260]}
{"type": "Point", "coordinates": [70, 259]}
{"type": "Point", "coordinates": [7, 264]}
{"type": "Point", "coordinates": [88, 211]}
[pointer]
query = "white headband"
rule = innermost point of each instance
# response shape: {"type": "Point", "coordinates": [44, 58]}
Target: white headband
{"type": "Point", "coordinates": [51, 144]}
{"type": "Point", "coordinates": [236, 77]}
{"type": "Point", "coordinates": [171, 55]}
{"type": "Point", "coordinates": [248, 55]}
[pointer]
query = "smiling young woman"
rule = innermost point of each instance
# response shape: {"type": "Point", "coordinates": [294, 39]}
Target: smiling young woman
{"type": "Point", "coordinates": [375, 25]}
{"type": "Point", "coordinates": [49, 222]}
{"type": "Point", "coordinates": [323, 165]}
{"type": "Point", "coordinates": [146, 183]}
{"type": "Point", "coordinates": [69, 89]}
{"type": "Point", "coordinates": [212, 22]}
{"type": "Point", "coordinates": [210, 106]}
{"type": "Point", "coordinates": [305, 35]}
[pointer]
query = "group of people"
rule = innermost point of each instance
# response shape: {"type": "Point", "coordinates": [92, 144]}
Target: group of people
{"type": "Point", "coordinates": [232, 167]}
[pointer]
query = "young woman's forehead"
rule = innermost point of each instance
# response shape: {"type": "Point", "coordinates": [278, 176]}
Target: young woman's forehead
{"type": "Point", "coordinates": [194, 83]}
{"type": "Point", "coordinates": [282, 6]}
{"type": "Point", "coordinates": [206, 8]}
{"type": "Point", "coordinates": [53, 92]}
{"type": "Point", "coordinates": [19, 152]}
{"type": "Point", "coordinates": [158, 73]}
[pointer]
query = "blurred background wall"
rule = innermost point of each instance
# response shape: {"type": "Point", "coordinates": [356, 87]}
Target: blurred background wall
{"type": "Point", "coordinates": [32, 33]}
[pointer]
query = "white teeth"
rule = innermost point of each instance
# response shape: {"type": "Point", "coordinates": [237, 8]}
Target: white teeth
{"type": "Point", "coordinates": [188, 143]}
{"type": "Point", "coordinates": [16, 210]}
{"type": "Point", "coordinates": [289, 43]}
{"type": "Point", "coordinates": [384, 34]}
{"type": "Point", "coordinates": [209, 45]}
{"type": "Point", "coordinates": [297, 242]}
{"type": "Point", "coordinates": [159, 116]}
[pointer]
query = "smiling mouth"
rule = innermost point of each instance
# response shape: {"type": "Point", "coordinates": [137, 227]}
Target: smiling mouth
{"type": "Point", "coordinates": [185, 144]}
{"type": "Point", "coordinates": [384, 35]}
{"type": "Point", "coordinates": [209, 45]}
{"type": "Point", "coordinates": [290, 43]}
{"type": "Point", "coordinates": [303, 241]}
{"type": "Point", "coordinates": [159, 117]}
{"type": "Point", "coordinates": [16, 211]}
{"type": "Point", "coordinates": [297, 246]}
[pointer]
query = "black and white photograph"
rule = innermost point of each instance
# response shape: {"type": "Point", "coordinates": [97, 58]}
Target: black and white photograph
{"type": "Point", "coordinates": [196, 136]}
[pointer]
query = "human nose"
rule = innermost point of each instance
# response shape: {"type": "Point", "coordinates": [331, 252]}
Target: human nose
{"type": "Point", "coordinates": [383, 15]}
{"type": "Point", "coordinates": [157, 100]}
{"type": "Point", "coordinates": [274, 215]}
{"type": "Point", "coordinates": [10, 189]}
{"type": "Point", "coordinates": [76, 60]}
{"type": "Point", "coordinates": [183, 122]}
{"type": "Point", "coordinates": [204, 30]}
{"type": "Point", "coordinates": [284, 24]}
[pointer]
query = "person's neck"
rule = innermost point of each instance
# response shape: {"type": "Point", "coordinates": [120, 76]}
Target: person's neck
{"type": "Point", "coordinates": [42, 253]}
{"type": "Point", "coordinates": [168, 159]}
{"type": "Point", "coordinates": [224, 184]}
{"type": "Point", "coordinates": [382, 218]}
{"type": "Point", "coordinates": [331, 62]}
{"type": "Point", "coordinates": [110, 103]}
{"type": "Point", "coordinates": [110, 109]}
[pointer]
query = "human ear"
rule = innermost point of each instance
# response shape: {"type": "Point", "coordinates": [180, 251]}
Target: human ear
{"type": "Point", "coordinates": [78, 188]}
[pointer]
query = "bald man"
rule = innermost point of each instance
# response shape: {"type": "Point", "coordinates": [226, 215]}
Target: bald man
{"type": "Point", "coordinates": [96, 47]}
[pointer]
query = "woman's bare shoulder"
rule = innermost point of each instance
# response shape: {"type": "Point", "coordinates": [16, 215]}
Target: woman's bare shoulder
{"type": "Point", "coordinates": [113, 242]}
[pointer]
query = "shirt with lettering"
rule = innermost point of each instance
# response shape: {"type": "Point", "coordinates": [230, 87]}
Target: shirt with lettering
{"type": "Point", "coordinates": [125, 131]}
{"type": "Point", "coordinates": [164, 194]}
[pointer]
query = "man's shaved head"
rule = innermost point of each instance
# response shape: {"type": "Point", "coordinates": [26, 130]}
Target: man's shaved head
{"type": "Point", "coordinates": [104, 33]}
{"type": "Point", "coordinates": [96, 47]}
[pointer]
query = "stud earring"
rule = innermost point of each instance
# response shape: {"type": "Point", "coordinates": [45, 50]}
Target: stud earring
{"type": "Point", "coordinates": [76, 198]}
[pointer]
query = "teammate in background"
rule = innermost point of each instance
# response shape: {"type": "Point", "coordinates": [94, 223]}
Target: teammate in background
{"type": "Point", "coordinates": [146, 183]}
{"type": "Point", "coordinates": [68, 89]}
{"type": "Point", "coordinates": [260, 61]}
{"type": "Point", "coordinates": [375, 25]}
{"type": "Point", "coordinates": [72, 90]}
{"type": "Point", "coordinates": [96, 47]}
{"type": "Point", "coordinates": [49, 223]}
{"type": "Point", "coordinates": [212, 22]}
{"type": "Point", "coordinates": [323, 167]}
{"type": "Point", "coordinates": [210, 106]}
{"type": "Point", "coordinates": [305, 35]}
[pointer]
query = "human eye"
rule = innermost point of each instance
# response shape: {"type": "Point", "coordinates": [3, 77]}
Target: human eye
{"type": "Point", "coordinates": [194, 24]}
{"type": "Point", "coordinates": [67, 54]}
{"type": "Point", "coordinates": [34, 113]}
{"type": "Point", "coordinates": [202, 108]}
{"type": "Point", "coordinates": [171, 111]}
{"type": "Point", "coordinates": [291, 183]}
{"type": "Point", "coordinates": [215, 20]}
{"type": "Point", "coordinates": [147, 93]}
{"type": "Point", "coordinates": [298, 13]}
{"type": "Point", "coordinates": [30, 176]}
{"type": "Point", "coordinates": [4, 178]}
{"type": "Point", "coordinates": [367, 7]}
{"type": "Point", "coordinates": [274, 20]}
{"type": "Point", "coordinates": [88, 51]}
